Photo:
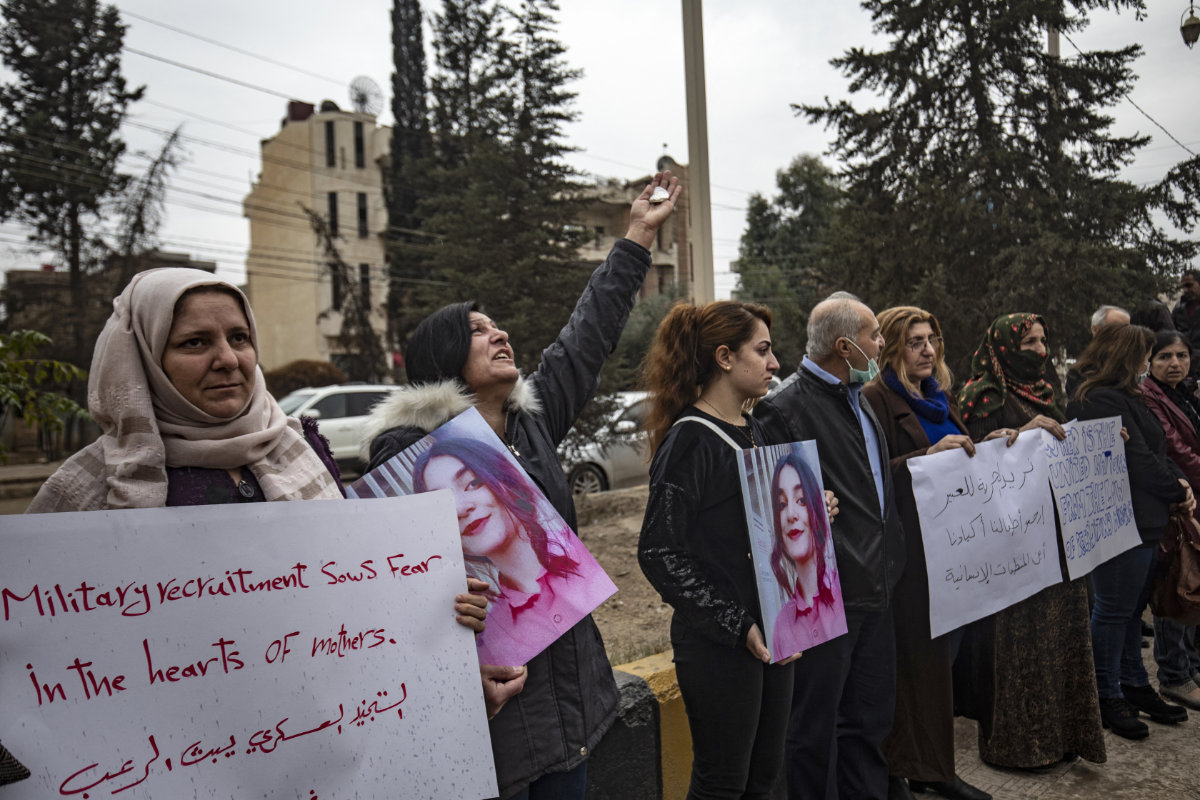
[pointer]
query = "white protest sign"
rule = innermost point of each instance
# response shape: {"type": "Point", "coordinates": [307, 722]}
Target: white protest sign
{"type": "Point", "coordinates": [987, 523]}
{"type": "Point", "coordinates": [281, 650]}
{"type": "Point", "coordinates": [1091, 488]}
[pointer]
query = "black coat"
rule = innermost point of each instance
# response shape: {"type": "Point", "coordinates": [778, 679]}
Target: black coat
{"type": "Point", "coordinates": [570, 698]}
{"type": "Point", "coordinates": [695, 547]}
{"type": "Point", "coordinates": [869, 545]}
{"type": "Point", "coordinates": [1153, 478]}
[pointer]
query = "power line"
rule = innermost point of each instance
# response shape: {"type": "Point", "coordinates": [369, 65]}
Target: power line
{"type": "Point", "coordinates": [205, 72]}
{"type": "Point", "coordinates": [301, 166]}
{"type": "Point", "coordinates": [1129, 99]}
{"type": "Point", "coordinates": [216, 43]}
{"type": "Point", "coordinates": [300, 70]}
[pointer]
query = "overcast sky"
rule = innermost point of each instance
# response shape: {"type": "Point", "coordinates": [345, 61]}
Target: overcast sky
{"type": "Point", "coordinates": [761, 55]}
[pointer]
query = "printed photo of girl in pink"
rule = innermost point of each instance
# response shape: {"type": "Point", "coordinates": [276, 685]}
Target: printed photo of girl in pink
{"type": "Point", "coordinates": [802, 560]}
{"type": "Point", "coordinates": [794, 563]}
{"type": "Point", "coordinates": [542, 580]}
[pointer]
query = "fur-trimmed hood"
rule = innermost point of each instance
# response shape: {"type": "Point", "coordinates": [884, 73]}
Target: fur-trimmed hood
{"type": "Point", "coordinates": [429, 405]}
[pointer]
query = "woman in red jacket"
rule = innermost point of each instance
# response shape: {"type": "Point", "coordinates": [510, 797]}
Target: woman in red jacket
{"type": "Point", "coordinates": [1177, 410]}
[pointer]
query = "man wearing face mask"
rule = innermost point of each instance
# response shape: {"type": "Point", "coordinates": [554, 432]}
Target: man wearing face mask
{"type": "Point", "coordinates": [852, 677]}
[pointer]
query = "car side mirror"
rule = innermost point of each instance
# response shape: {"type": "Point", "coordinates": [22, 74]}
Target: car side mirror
{"type": "Point", "coordinates": [625, 426]}
{"type": "Point", "coordinates": [313, 413]}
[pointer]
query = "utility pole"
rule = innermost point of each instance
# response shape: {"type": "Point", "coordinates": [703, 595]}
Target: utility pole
{"type": "Point", "coordinates": [700, 197]}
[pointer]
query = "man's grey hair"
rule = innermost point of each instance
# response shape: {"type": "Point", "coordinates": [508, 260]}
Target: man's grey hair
{"type": "Point", "coordinates": [836, 316]}
{"type": "Point", "coordinates": [1101, 315]}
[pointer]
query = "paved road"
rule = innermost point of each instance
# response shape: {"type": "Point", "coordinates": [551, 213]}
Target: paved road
{"type": "Point", "coordinates": [1165, 766]}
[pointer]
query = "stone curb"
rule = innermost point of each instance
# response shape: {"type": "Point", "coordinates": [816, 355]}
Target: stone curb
{"type": "Point", "coordinates": [647, 754]}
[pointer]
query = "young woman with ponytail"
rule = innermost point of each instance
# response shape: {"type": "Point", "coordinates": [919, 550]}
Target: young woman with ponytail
{"type": "Point", "coordinates": [706, 367]}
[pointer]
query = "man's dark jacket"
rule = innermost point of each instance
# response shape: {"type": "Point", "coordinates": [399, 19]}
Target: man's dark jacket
{"type": "Point", "coordinates": [869, 545]}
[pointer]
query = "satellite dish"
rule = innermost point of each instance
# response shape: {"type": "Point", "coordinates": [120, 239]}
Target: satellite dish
{"type": "Point", "coordinates": [366, 96]}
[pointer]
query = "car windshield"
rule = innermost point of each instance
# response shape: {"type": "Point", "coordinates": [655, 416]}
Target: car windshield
{"type": "Point", "coordinates": [295, 400]}
{"type": "Point", "coordinates": [636, 413]}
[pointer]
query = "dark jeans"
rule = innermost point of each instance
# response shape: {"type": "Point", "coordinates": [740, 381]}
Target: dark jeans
{"type": "Point", "coordinates": [570, 785]}
{"type": "Point", "coordinates": [1175, 652]}
{"type": "Point", "coordinates": [842, 709]}
{"type": "Point", "coordinates": [1122, 589]}
{"type": "Point", "coordinates": [737, 710]}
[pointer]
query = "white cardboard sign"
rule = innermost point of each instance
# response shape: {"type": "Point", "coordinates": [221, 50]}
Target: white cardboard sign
{"type": "Point", "coordinates": [987, 523]}
{"type": "Point", "coordinates": [279, 650]}
{"type": "Point", "coordinates": [1091, 489]}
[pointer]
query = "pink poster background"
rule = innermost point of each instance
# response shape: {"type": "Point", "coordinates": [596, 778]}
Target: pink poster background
{"type": "Point", "coordinates": [801, 600]}
{"type": "Point", "coordinates": [506, 523]}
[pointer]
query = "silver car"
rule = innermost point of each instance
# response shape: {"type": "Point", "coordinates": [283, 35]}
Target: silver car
{"type": "Point", "coordinates": [342, 411]}
{"type": "Point", "coordinates": [623, 462]}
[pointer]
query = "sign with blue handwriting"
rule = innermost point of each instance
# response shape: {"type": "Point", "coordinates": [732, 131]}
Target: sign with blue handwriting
{"type": "Point", "coordinates": [1091, 488]}
{"type": "Point", "coordinates": [276, 650]}
{"type": "Point", "coordinates": [987, 523]}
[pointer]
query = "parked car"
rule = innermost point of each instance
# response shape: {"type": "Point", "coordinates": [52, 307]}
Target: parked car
{"type": "Point", "coordinates": [622, 462]}
{"type": "Point", "coordinates": [342, 410]}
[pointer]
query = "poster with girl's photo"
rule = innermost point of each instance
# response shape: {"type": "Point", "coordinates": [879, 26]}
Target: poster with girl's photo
{"type": "Point", "coordinates": [794, 563]}
{"type": "Point", "coordinates": [542, 579]}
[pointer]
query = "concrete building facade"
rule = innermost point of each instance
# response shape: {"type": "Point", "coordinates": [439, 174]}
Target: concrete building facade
{"type": "Point", "coordinates": [606, 217]}
{"type": "Point", "coordinates": [326, 161]}
{"type": "Point", "coordinates": [329, 160]}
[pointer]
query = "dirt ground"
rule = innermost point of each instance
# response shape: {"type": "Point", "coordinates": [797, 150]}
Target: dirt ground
{"type": "Point", "coordinates": [635, 622]}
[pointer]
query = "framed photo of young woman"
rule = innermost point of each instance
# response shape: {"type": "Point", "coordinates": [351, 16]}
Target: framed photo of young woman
{"type": "Point", "coordinates": [794, 563]}
{"type": "Point", "coordinates": [541, 578]}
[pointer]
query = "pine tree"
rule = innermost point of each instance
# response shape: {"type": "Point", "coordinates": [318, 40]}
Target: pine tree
{"type": "Point", "coordinates": [410, 147]}
{"type": "Point", "coordinates": [782, 257]}
{"type": "Point", "coordinates": [986, 181]}
{"type": "Point", "coordinates": [59, 133]}
{"type": "Point", "coordinates": [500, 197]}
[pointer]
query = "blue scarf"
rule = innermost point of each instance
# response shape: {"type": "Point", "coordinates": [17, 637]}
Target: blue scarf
{"type": "Point", "coordinates": [932, 408]}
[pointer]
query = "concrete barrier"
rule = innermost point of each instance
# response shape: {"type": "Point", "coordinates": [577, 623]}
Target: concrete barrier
{"type": "Point", "coordinates": [647, 754]}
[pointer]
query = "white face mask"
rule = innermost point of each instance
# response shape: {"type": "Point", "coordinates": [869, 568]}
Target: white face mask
{"type": "Point", "coordinates": [860, 376]}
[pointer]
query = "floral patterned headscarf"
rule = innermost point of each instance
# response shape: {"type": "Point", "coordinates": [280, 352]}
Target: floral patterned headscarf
{"type": "Point", "coordinates": [1000, 366]}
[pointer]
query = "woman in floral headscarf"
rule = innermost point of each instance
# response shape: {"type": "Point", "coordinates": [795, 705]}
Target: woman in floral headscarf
{"type": "Point", "coordinates": [1026, 672]}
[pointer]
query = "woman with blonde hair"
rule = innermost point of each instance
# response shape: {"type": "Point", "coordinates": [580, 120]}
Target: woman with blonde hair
{"type": "Point", "coordinates": [706, 366]}
{"type": "Point", "coordinates": [918, 417]}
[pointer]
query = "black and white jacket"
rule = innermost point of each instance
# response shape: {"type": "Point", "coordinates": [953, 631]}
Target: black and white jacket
{"type": "Point", "coordinates": [570, 698]}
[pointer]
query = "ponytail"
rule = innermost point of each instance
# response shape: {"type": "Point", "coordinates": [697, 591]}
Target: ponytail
{"type": "Point", "coordinates": [682, 357]}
